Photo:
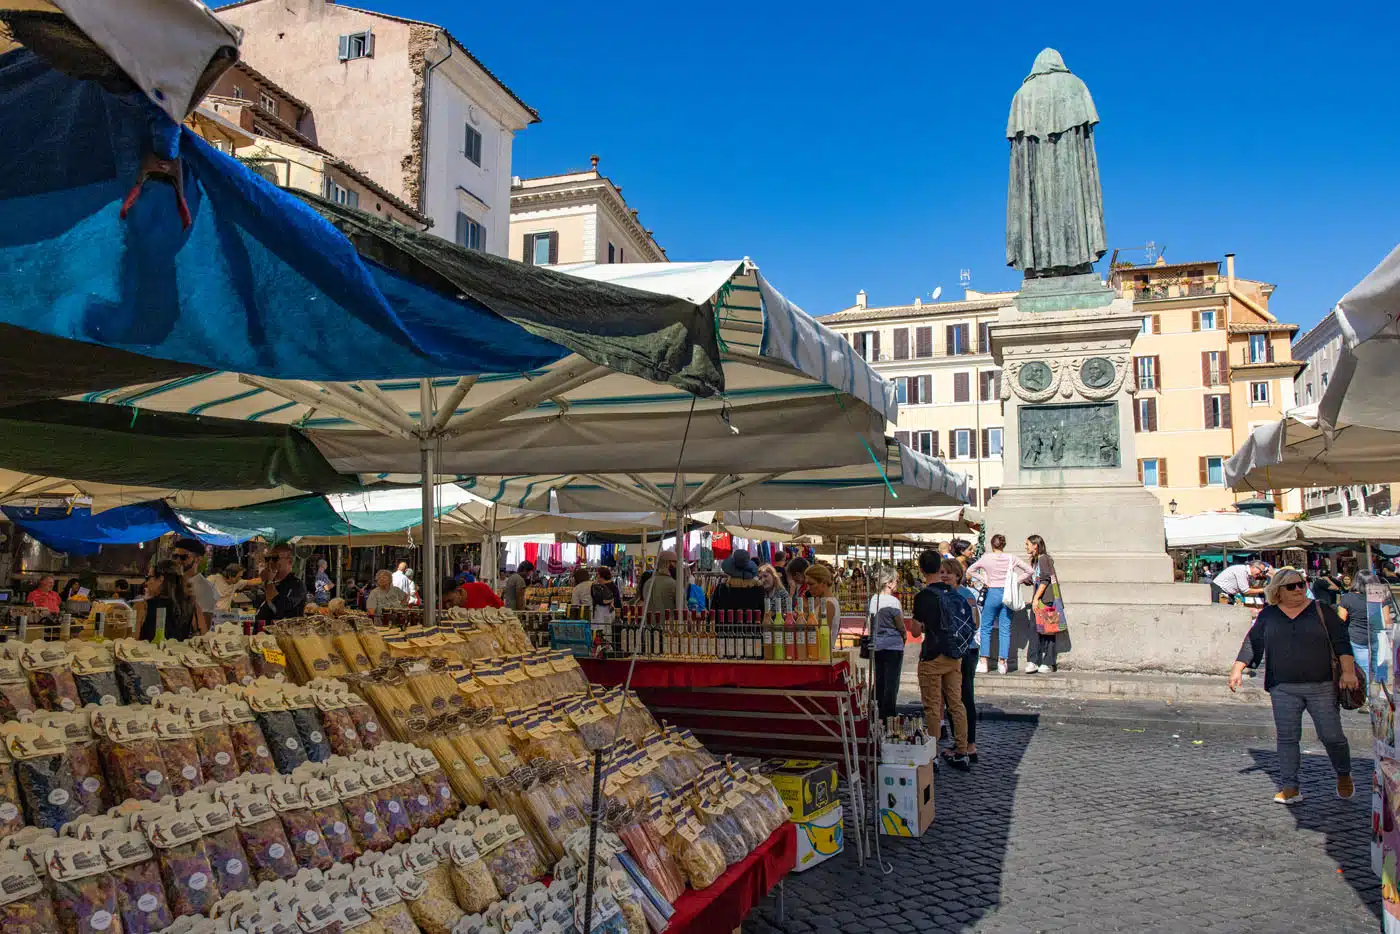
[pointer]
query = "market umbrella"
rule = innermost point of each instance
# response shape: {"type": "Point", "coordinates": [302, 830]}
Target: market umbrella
{"type": "Point", "coordinates": [1299, 451]}
{"type": "Point", "coordinates": [852, 524]}
{"type": "Point", "coordinates": [1361, 392]}
{"type": "Point", "coordinates": [1332, 529]}
{"type": "Point", "coordinates": [1218, 528]}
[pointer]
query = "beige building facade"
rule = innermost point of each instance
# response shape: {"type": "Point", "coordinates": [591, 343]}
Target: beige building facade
{"type": "Point", "coordinates": [949, 390]}
{"type": "Point", "coordinates": [576, 217]}
{"type": "Point", "coordinates": [403, 101]}
{"type": "Point", "coordinates": [1210, 363]}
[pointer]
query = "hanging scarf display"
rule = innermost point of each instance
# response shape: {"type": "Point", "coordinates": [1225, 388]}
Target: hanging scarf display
{"type": "Point", "coordinates": [723, 546]}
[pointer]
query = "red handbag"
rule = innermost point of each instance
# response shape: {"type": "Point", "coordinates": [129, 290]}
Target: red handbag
{"type": "Point", "coordinates": [1047, 620]}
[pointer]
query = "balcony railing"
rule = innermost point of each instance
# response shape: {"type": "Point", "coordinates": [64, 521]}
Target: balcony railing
{"type": "Point", "coordinates": [1158, 290]}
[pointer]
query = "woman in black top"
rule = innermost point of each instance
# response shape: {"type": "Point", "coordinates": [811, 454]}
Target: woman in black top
{"type": "Point", "coordinates": [1352, 608]}
{"type": "Point", "coordinates": [166, 591]}
{"type": "Point", "coordinates": [1297, 638]}
{"type": "Point", "coordinates": [740, 589]}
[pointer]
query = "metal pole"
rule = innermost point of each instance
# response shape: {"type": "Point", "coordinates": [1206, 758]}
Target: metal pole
{"type": "Point", "coordinates": [680, 545]}
{"type": "Point", "coordinates": [593, 818]}
{"type": "Point", "coordinates": [427, 567]}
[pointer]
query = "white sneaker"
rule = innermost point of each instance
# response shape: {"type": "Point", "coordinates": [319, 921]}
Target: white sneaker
{"type": "Point", "coordinates": [1031, 668]}
{"type": "Point", "coordinates": [1001, 667]}
{"type": "Point", "coordinates": [982, 666]}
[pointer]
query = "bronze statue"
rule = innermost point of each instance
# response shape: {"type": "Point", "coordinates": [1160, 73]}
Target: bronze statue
{"type": "Point", "coordinates": [1054, 203]}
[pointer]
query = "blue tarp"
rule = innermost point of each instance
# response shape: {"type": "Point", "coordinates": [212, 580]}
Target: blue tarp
{"type": "Point", "coordinates": [124, 525]}
{"type": "Point", "coordinates": [260, 283]}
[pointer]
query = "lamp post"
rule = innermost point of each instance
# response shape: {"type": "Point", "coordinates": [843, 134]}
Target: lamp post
{"type": "Point", "coordinates": [1172, 506]}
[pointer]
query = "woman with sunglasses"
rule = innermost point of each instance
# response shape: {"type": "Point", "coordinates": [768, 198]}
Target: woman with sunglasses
{"type": "Point", "coordinates": [1297, 638]}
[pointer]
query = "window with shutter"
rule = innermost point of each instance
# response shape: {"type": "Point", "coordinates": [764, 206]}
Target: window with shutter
{"type": "Point", "coordinates": [948, 341]}
{"type": "Point", "coordinates": [1203, 471]}
{"type": "Point", "coordinates": [1140, 472]}
{"type": "Point", "coordinates": [901, 389]}
{"type": "Point", "coordinates": [875, 349]}
{"type": "Point", "coordinates": [972, 444]}
{"type": "Point", "coordinates": [553, 248]}
{"type": "Point", "coordinates": [1225, 412]}
{"type": "Point", "coordinates": [901, 343]}
{"type": "Point", "coordinates": [988, 385]}
{"type": "Point", "coordinates": [986, 443]}
{"type": "Point", "coordinates": [902, 437]}
{"type": "Point", "coordinates": [1156, 324]}
{"type": "Point", "coordinates": [984, 337]}
{"type": "Point", "coordinates": [926, 389]}
{"type": "Point", "coordinates": [972, 495]}
{"type": "Point", "coordinates": [527, 255]}
{"type": "Point", "coordinates": [471, 147]}
{"type": "Point", "coordinates": [1162, 472]}
{"type": "Point", "coordinates": [1157, 369]}
{"type": "Point", "coordinates": [961, 387]}
{"type": "Point", "coordinates": [1195, 320]}
{"type": "Point", "coordinates": [923, 342]}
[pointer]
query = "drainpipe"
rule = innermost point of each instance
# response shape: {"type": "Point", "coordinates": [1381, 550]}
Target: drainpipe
{"type": "Point", "coordinates": [427, 125]}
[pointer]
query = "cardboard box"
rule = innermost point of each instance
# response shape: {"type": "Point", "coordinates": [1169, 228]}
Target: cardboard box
{"type": "Point", "coordinates": [820, 837]}
{"type": "Point", "coordinates": [807, 785]}
{"type": "Point", "coordinates": [906, 799]}
{"type": "Point", "coordinates": [907, 753]}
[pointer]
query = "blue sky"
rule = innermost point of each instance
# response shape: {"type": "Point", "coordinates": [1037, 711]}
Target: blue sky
{"type": "Point", "coordinates": [848, 147]}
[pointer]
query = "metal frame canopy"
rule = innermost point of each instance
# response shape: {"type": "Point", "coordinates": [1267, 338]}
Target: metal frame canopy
{"type": "Point", "coordinates": [1299, 451]}
{"type": "Point", "coordinates": [1361, 392]}
{"type": "Point", "coordinates": [1217, 528]}
{"type": "Point", "coordinates": [851, 524]}
{"type": "Point", "coordinates": [1333, 529]}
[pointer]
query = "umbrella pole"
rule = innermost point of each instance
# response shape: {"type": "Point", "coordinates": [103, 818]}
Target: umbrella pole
{"type": "Point", "coordinates": [428, 586]}
{"type": "Point", "coordinates": [1370, 562]}
{"type": "Point", "coordinates": [680, 545]}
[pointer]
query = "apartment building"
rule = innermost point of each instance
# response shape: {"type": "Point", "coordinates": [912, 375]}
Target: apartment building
{"type": "Point", "coordinates": [403, 100]}
{"type": "Point", "coordinates": [949, 390]}
{"type": "Point", "coordinates": [1211, 364]}
{"type": "Point", "coordinates": [576, 217]}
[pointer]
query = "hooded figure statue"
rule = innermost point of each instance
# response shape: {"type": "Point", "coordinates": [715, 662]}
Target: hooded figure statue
{"type": "Point", "coordinates": [1054, 204]}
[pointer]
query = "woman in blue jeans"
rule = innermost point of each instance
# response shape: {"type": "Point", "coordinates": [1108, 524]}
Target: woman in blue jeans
{"type": "Point", "coordinates": [999, 570]}
{"type": "Point", "coordinates": [1296, 638]}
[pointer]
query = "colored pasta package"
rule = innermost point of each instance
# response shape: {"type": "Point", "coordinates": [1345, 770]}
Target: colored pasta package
{"type": "Point", "coordinates": [392, 813]}
{"type": "Point", "coordinates": [138, 678]}
{"type": "Point", "coordinates": [341, 734]}
{"type": "Point", "coordinates": [230, 651]}
{"type": "Point", "coordinates": [302, 828]}
{"type": "Point", "coordinates": [472, 882]}
{"type": "Point", "coordinates": [385, 905]}
{"type": "Point", "coordinates": [175, 678]}
{"type": "Point", "coordinates": [367, 830]}
{"type": "Point", "coordinates": [90, 788]}
{"type": "Point", "coordinates": [320, 796]}
{"type": "Point", "coordinates": [84, 893]}
{"type": "Point", "coordinates": [264, 841]}
{"type": "Point", "coordinates": [435, 911]}
{"type": "Point", "coordinates": [366, 721]}
{"type": "Point", "coordinates": [11, 814]}
{"type": "Point", "coordinates": [205, 673]}
{"type": "Point", "coordinates": [268, 660]}
{"type": "Point", "coordinates": [190, 884]}
{"type": "Point", "coordinates": [218, 760]}
{"type": "Point", "coordinates": [508, 853]}
{"type": "Point", "coordinates": [141, 902]}
{"type": "Point", "coordinates": [280, 731]}
{"type": "Point", "coordinates": [223, 846]}
{"type": "Point", "coordinates": [25, 904]}
{"type": "Point", "coordinates": [43, 773]}
{"type": "Point", "coordinates": [653, 857]}
{"type": "Point", "coordinates": [251, 752]}
{"type": "Point", "coordinates": [309, 726]}
{"type": "Point", "coordinates": [16, 700]}
{"type": "Point", "coordinates": [95, 676]}
{"type": "Point", "coordinates": [408, 791]}
{"type": "Point", "coordinates": [179, 752]}
{"type": "Point", "coordinates": [430, 773]}
{"type": "Point", "coordinates": [49, 667]}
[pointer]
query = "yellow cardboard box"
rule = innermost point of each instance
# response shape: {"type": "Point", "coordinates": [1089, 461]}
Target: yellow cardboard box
{"type": "Point", "coordinates": [807, 785]}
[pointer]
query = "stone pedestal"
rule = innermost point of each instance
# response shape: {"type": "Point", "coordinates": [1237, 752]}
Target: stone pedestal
{"type": "Point", "coordinates": [1069, 454]}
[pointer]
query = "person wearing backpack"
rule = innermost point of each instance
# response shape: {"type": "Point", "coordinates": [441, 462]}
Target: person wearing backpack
{"type": "Point", "coordinates": [945, 620]}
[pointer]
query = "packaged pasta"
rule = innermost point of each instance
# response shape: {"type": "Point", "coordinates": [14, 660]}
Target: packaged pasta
{"type": "Point", "coordinates": [217, 757]}
{"type": "Point", "coordinates": [508, 853]}
{"type": "Point", "coordinates": [179, 752]}
{"type": "Point", "coordinates": [90, 789]}
{"type": "Point", "coordinates": [279, 729]}
{"type": "Point", "coordinates": [95, 674]}
{"type": "Point", "coordinates": [309, 727]}
{"type": "Point", "coordinates": [138, 678]}
{"type": "Point", "coordinates": [366, 721]}
{"type": "Point", "coordinates": [368, 832]}
{"type": "Point", "coordinates": [16, 701]}
{"type": "Point", "coordinates": [385, 905]}
{"type": "Point", "coordinates": [264, 841]}
{"type": "Point", "coordinates": [311, 643]}
{"type": "Point", "coordinates": [175, 678]}
{"type": "Point", "coordinates": [205, 673]}
{"type": "Point", "coordinates": [433, 777]}
{"type": "Point", "coordinates": [401, 713]}
{"type": "Point", "coordinates": [268, 660]}
{"type": "Point", "coordinates": [300, 824]}
{"type": "Point", "coordinates": [141, 902]}
{"type": "Point", "coordinates": [435, 911]}
{"type": "Point", "coordinates": [464, 784]}
{"type": "Point", "coordinates": [230, 651]}
{"type": "Point", "coordinates": [472, 883]}
{"type": "Point", "coordinates": [320, 796]}
{"type": "Point", "coordinates": [25, 904]}
{"type": "Point", "coordinates": [223, 846]}
{"type": "Point", "coordinates": [11, 814]}
{"type": "Point", "coordinates": [190, 886]}
{"type": "Point", "coordinates": [435, 690]}
{"type": "Point", "coordinates": [84, 894]}
{"type": "Point", "coordinates": [48, 665]}
{"type": "Point", "coordinates": [491, 734]}
{"type": "Point", "coordinates": [341, 734]}
{"type": "Point", "coordinates": [391, 811]}
{"type": "Point", "coordinates": [352, 651]}
{"type": "Point", "coordinates": [653, 857]}
{"type": "Point", "coordinates": [697, 853]}
{"type": "Point", "coordinates": [251, 752]}
{"type": "Point", "coordinates": [43, 773]}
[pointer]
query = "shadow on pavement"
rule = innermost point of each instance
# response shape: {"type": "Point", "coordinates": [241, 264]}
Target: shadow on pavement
{"type": "Point", "coordinates": [946, 880]}
{"type": "Point", "coordinates": [1336, 820]}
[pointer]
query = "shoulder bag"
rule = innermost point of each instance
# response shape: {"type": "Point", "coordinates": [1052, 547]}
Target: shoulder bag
{"type": "Point", "coordinates": [1011, 589]}
{"type": "Point", "coordinates": [1349, 698]}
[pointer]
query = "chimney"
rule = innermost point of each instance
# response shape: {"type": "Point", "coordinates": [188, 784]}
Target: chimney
{"type": "Point", "coordinates": [918, 301]}
{"type": "Point", "coordinates": [1230, 269]}
{"type": "Point", "coordinates": [860, 299]}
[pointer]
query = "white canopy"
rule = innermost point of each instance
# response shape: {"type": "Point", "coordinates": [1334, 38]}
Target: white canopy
{"type": "Point", "coordinates": [1331, 529]}
{"type": "Point", "coordinates": [171, 49]}
{"type": "Point", "coordinates": [1218, 528]}
{"type": "Point", "coordinates": [1361, 391]}
{"type": "Point", "coordinates": [855, 524]}
{"type": "Point", "coordinates": [1297, 451]}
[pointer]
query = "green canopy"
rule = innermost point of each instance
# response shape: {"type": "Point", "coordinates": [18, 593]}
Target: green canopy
{"type": "Point", "coordinates": [298, 517]}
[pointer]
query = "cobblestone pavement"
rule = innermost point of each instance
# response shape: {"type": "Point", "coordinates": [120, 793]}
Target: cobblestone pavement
{"type": "Point", "coordinates": [1083, 828]}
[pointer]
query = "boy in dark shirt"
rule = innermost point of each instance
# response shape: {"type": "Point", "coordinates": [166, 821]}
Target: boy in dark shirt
{"type": "Point", "coordinates": [940, 672]}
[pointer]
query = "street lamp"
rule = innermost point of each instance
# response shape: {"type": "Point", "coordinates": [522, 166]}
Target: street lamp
{"type": "Point", "coordinates": [1172, 506]}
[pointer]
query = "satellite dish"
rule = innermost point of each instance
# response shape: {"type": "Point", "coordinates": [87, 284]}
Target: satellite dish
{"type": "Point", "coordinates": [937, 292]}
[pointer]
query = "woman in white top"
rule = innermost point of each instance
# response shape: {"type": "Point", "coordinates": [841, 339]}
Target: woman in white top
{"type": "Point", "coordinates": [887, 638]}
{"type": "Point", "coordinates": [583, 588]}
{"type": "Point", "coordinates": [820, 584]}
{"type": "Point", "coordinates": [385, 594]}
{"type": "Point", "coordinates": [1000, 571]}
{"type": "Point", "coordinates": [227, 585]}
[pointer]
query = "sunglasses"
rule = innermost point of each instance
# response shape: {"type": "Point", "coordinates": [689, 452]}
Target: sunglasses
{"type": "Point", "coordinates": [1295, 585]}
{"type": "Point", "coordinates": [182, 556]}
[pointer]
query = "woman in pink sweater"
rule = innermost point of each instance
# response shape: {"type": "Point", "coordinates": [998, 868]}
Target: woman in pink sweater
{"type": "Point", "coordinates": [1000, 571]}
